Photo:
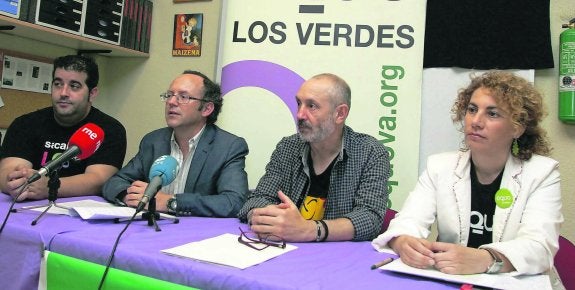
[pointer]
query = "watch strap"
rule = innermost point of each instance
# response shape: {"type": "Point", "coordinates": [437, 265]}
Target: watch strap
{"type": "Point", "coordinates": [497, 264]}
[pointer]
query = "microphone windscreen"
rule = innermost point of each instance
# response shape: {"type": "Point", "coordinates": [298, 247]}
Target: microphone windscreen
{"type": "Point", "coordinates": [166, 167]}
{"type": "Point", "coordinates": [88, 138]}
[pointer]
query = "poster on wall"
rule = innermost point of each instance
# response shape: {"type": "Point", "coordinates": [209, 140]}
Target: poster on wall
{"type": "Point", "coordinates": [26, 75]}
{"type": "Point", "coordinates": [268, 48]}
{"type": "Point", "coordinates": [187, 35]}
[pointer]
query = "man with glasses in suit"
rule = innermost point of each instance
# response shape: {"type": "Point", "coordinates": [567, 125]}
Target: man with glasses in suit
{"type": "Point", "coordinates": [211, 181]}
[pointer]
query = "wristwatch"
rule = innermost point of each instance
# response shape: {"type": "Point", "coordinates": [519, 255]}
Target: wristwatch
{"type": "Point", "coordinates": [172, 205]}
{"type": "Point", "coordinates": [496, 265]}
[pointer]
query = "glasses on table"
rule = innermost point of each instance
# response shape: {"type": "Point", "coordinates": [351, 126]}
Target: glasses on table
{"type": "Point", "coordinates": [259, 242]}
{"type": "Point", "coordinates": [180, 98]}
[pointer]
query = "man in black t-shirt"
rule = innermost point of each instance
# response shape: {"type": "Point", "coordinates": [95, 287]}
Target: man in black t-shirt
{"type": "Point", "coordinates": [36, 138]}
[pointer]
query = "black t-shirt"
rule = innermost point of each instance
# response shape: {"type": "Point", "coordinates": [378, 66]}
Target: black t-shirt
{"type": "Point", "coordinates": [312, 206]}
{"type": "Point", "coordinates": [319, 185]}
{"type": "Point", "coordinates": [38, 138]}
{"type": "Point", "coordinates": [482, 209]}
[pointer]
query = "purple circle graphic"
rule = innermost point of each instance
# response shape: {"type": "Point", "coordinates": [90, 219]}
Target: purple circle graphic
{"type": "Point", "coordinates": [275, 78]}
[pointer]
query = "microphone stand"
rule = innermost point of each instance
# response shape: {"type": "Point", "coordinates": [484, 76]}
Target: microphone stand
{"type": "Point", "coordinates": [53, 186]}
{"type": "Point", "coordinates": [152, 216]}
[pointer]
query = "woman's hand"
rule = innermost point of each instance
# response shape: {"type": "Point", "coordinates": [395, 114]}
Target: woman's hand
{"type": "Point", "coordinates": [413, 251]}
{"type": "Point", "coordinates": [457, 259]}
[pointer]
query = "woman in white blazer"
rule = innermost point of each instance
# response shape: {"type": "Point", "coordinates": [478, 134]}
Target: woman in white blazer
{"type": "Point", "coordinates": [497, 201]}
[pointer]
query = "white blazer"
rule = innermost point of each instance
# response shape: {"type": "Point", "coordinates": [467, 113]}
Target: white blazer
{"type": "Point", "coordinates": [527, 232]}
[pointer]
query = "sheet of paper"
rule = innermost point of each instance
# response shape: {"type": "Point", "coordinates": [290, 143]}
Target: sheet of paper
{"type": "Point", "coordinates": [98, 213]}
{"type": "Point", "coordinates": [89, 209]}
{"type": "Point", "coordinates": [496, 281]}
{"type": "Point", "coordinates": [64, 207]}
{"type": "Point", "coordinates": [226, 250]}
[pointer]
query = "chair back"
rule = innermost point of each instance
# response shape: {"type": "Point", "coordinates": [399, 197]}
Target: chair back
{"type": "Point", "coordinates": [565, 263]}
{"type": "Point", "coordinates": [389, 215]}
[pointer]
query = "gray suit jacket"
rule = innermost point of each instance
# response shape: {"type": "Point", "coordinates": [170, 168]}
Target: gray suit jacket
{"type": "Point", "coordinates": [217, 182]}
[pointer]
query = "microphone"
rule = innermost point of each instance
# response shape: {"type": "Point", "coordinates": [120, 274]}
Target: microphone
{"type": "Point", "coordinates": [162, 173]}
{"type": "Point", "coordinates": [83, 143]}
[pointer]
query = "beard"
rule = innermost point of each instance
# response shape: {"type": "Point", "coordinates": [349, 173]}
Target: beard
{"type": "Point", "coordinates": [311, 134]}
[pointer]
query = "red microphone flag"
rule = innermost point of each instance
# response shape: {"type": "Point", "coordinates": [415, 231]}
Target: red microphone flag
{"type": "Point", "coordinates": [88, 139]}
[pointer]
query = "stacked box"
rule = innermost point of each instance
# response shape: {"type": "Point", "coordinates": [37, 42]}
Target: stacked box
{"type": "Point", "coordinates": [63, 15]}
{"type": "Point", "coordinates": [127, 23]}
{"type": "Point", "coordinates": [97, 19]}
{"type": "Point", "coordinates": [103, 20]}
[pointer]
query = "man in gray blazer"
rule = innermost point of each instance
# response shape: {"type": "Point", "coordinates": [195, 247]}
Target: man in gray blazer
{"type": "Point", "coordinates": [211, 180]}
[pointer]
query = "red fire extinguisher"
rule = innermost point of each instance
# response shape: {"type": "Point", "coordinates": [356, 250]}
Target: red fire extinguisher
{"type": "Point", "coordinates": [567, 73]}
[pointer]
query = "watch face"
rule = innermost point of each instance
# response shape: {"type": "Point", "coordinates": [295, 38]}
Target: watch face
{"type": "Point", "coordinates": [172, 204]}
{"type": "Point", "coordinates": [495, 268]}
{"type": "Point", "coordinates": [497, 264]}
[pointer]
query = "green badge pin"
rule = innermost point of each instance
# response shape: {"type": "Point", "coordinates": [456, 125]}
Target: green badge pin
{"type": "Point", "coordinates": [503, 198]}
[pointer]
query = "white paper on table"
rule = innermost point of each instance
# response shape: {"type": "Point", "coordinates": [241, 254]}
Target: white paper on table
{"type": "Point", "coordinates": [98, 213]}
{"type": "Point", "coordinates": [498, 281]}
{"type": "Point", "coordinates": [226, 250]}
{"type": "Point", "coordinates": [89, 209]}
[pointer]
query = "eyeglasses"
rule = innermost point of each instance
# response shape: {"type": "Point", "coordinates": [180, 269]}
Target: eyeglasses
{"type": "Point", "coordinates": [182, 99]}
{"type": "Point", "coordinates": [258, 242]}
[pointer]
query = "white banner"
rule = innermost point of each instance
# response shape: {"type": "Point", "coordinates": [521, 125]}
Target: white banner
{"type": "Point", "coordinates": [268, 48]}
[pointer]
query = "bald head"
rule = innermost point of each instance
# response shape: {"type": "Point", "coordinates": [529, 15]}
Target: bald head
{"type": "Point", "coordinates": [335, 87]}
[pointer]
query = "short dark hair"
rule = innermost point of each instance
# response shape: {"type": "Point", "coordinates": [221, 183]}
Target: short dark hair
{"type": "Point", "coordinates": [211, 93]}
{"type": "Point", "coordinates": [79, 63]}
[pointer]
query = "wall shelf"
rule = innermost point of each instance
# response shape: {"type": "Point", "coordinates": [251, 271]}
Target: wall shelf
{"type": "Point", "coordinates": [62, 38]}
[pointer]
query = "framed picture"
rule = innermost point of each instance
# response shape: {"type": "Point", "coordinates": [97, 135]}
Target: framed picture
{"type": "Point", "coordinates": [188, 34]}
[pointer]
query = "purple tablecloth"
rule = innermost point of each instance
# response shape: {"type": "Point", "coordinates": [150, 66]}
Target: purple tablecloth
{"type": "Point", "coordinates": [331, 265]}
{"type": "Point", "coordinates": [22, 245]}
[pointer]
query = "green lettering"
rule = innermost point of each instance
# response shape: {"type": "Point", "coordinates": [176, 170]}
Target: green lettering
{"type": "Point", "coordinates": [388, 123]}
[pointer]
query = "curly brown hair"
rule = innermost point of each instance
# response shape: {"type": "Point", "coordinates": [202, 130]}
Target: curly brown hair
{"type": "Point", "coordinates": [519, 99]}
